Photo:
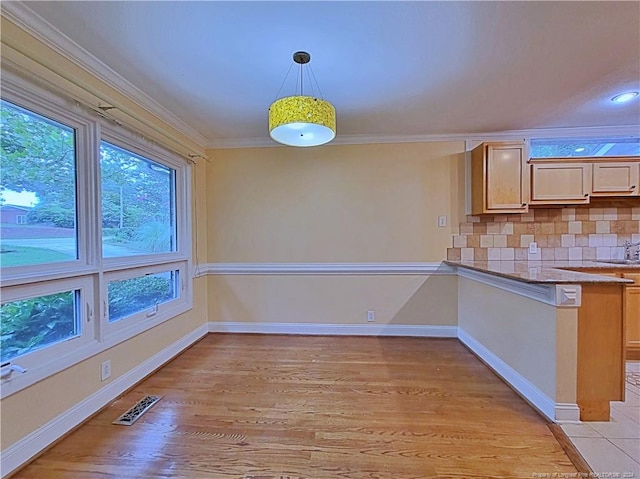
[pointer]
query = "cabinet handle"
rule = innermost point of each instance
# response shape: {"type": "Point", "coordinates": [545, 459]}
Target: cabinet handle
{"type": "Point", "coordinates": [524, 204]}
{"type": "Point", "coordinates": [586, 194]}
{"type": "Point", "coordinates": [633, 187]}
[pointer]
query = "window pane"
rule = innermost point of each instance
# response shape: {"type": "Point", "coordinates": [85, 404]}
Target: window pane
{"type": "Point", "coordinates": [138, 204]}
{"type": "Point", "coordinates": [37, 189]}
{"type": "Point", "coordinates": [130, 296]}
{"type": "Point", "coordinates": [31, 324]}
{"type": "Point", "coordinates": [585, 147]}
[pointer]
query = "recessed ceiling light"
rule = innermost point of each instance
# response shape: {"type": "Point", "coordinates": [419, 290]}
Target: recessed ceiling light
{"type": "Point", "coordinates": [580, 149]}
{"type": "Point", "coordinates": [624, 97]}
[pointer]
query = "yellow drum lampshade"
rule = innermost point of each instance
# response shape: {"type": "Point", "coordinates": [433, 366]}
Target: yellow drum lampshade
{"type": "Point", "coordinates": [302, 121]}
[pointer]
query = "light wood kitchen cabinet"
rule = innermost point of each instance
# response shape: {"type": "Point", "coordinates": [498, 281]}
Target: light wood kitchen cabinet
{"type": "Point", "coordinates": [499, 178]}
{"type": "Point", "coordinates": [631, 308]}
{"type": "Point", "coordinates": [616, 179]}
{"type": "Point", "coordinates": [632, 315]}
{"type": "Point", "coordinates": [601, 350]}
{"type": "Point", "coordinates": [559, 183]}
{"type": "Point", "coordinates": [502, 181]}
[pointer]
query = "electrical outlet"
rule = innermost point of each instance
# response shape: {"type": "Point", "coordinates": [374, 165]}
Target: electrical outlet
{"type": "Point", "coordinates": [371, 316]}
{"type": "Point", "coordinates": [533, 247]}
{"type": "Point", "coordinates": [442, 221]}
{"type": "Point", "coordinates": [106, 370]}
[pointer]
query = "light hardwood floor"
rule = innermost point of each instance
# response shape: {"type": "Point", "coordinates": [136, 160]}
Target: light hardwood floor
{"type": "Point", "coordinates": [293, 407]}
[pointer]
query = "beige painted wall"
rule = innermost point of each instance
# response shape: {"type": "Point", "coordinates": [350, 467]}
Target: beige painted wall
{"type": "Point", "coordinates": [354, 203]}
{"type": "Point", "coordinates": [538, 340]}
{"type": "Point", "coordinates": [350, 203]}
{"type": "Point", "coordinates": [323, 299]}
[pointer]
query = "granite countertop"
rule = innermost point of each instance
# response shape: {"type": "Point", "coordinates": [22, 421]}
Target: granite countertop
{"type": "Point", "coordinates": [553, 272]}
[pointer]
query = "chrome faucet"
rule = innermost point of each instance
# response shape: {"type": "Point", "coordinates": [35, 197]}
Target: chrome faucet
{"type": "Point", "coordinates": [628, 245]}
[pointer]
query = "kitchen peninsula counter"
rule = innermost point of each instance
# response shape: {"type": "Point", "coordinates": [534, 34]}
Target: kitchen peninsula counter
{"type": "Point", "coordinates": [550, 272]}
{"type": "Point", "coordinates": [554, 330]}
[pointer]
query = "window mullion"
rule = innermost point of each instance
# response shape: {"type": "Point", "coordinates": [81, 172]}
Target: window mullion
{"type": "Point", "coordinates": [165, 271]}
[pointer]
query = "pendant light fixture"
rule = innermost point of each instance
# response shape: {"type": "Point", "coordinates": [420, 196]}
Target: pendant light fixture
{"type": "Point", "coordinates": [302, 120]}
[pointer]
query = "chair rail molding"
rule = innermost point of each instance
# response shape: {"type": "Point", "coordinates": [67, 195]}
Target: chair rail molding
{"type": "Point", "coordinates": [325, 268]}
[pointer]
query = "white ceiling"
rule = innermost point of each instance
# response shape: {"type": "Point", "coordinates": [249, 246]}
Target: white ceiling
{"type": "Point", "coordinates": [390, 68]}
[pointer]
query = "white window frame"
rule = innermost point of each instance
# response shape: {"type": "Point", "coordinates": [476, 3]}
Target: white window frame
{"type": "Point", "coordinates": [136, 323]}
{"type": "Point", "coordinates": [122, 139]}
{"type": "Point", "coordinates": [612, 139]}
{"type": "Point", "coordinates": [21, 219]}
{"type": "Point", "coordinates": [51, 359]}
{"type": "Point", "coordinates": [90, 271]}
{"type": "Point", "coordinates": [47, 105]}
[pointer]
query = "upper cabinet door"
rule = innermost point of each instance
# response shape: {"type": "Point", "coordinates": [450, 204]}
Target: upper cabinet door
{"type": "Point", "coordinates": [499, 178]}
{"type": "Point", "coordinates": [619, 179]}
{"type": "Point", "coordinates": [560, 183]}
{"type": "Point", "coordinates": [505, 168]}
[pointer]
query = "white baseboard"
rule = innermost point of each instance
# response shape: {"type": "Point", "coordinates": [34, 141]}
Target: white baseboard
{"type": "Point", "coordinates": [567, 413]}
{"type": "Point", "coordinates": [335, 329]}
{"type": "Point", "coordinates": [557, 412]}
{"type": "Point", "coordinates": [26, 448]}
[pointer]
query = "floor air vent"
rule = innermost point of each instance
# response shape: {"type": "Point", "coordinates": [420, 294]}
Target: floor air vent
{"type": "Point", "coordinates": [138, 409]}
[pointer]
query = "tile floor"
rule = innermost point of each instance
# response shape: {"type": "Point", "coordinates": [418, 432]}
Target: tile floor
{"type": "Point", "coordinates": [612, 449]}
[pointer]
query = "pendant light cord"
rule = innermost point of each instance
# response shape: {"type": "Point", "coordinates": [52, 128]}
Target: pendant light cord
{"type": "Point", "coordinates": [300, 78]}
{"type": "Point", "coordinates": [317, 84]}
{"type": "Point", "coordinates": [283, 81]}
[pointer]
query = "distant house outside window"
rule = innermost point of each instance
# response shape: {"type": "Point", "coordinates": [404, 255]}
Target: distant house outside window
{"type": "Point", "coordinates": [13, 214]}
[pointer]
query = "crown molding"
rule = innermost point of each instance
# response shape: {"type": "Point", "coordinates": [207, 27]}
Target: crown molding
{"type": "Point", "coordinates": [566, 132]}
{"type": "Point", "coordinates": [20, 14]}
{"type": "Point", "coordinates": [25, 18]}
{"type": "Point", "coordinates": [266, 142]}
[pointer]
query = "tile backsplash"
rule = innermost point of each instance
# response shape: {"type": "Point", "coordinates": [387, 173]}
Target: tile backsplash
{"type": "Point", "coordinates": [560, 233]}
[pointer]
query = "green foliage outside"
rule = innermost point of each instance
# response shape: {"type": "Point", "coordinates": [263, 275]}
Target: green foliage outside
{"type": "Point", "coordinates": [52, 214]}
{"type": "Point", "coordinates": [563, 150]}
{"type": "Point", "coordinates": [137, 294]}
{"type": "Point", "coordinates": [30, 324]}
{"type": "Point", "coordinates": [118, 235]}
{"type": "Point", "coordinates": [137, 201]}
{"type": "Point", "coordinates": [153, 237]}
{"type": "Point", "coordinates": [38, 155]}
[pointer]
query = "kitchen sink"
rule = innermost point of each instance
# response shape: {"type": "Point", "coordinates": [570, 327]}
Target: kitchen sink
{"type": "Point", "coordinates": [619, 261]}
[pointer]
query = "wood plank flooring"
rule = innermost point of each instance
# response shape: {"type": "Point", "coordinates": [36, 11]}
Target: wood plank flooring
{"type": "Point", "coordinates": [294, 407]}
